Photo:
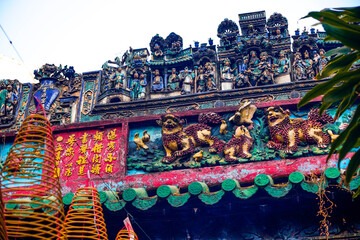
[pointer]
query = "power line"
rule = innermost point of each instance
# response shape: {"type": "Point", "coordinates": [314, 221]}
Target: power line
{"type": "Point", "coordinates": [18, 54]}
{"type": "Point", "coordinates": [11, 43]}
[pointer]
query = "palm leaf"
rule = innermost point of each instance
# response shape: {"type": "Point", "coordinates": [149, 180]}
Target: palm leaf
{"type": "Point", "coordinates": [353, 166]}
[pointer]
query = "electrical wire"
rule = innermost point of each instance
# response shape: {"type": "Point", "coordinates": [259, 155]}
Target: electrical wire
{"type": "Point", "coordinates": [11, 43]}
{"type": "Point", "coordinates": [17, 52]}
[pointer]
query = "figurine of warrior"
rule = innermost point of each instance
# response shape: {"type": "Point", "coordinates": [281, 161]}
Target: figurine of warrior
{"type": "Point", "coordinates": [187, 81]}
{"type": "Point", "coordinates": [135, 86]}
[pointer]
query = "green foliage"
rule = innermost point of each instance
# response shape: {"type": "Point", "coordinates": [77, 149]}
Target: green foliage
{"type": "Point", "coordinates": [344, 86]}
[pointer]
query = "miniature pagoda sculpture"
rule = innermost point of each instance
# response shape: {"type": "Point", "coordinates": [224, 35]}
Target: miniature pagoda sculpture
{"type": "Point", "coordinates": [30, 185]}
{"type": "Point", "coordinates": [85, 219]}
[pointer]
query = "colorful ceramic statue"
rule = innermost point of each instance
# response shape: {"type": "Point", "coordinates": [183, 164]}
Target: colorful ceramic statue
{"type": "Point", "coordinates": [173, 80]}
{"type": "Point", "coordinates": [308, 63]}
{"type": "Point", "coordinates": [226, 71]}
{"type": "Point", "coordinates": [282, 64]}
{"type": "Point", "coordinates": [266, 76]}
{"type": "Point", "coordinates": [3, 94]}
{"type": "Point", "coordinates": [239, 145]}
{"type": "Point", "coordinates": [180, 141]}
{"type": "Point", "coordinates": [210, 76]}
{"type": "Point", "coordinates": [186, 79]}
{"type": "Point", "coordinates": [286, 133]}
{"type": "Point", "coordinates": [135, 86]}
{"type": "Point", "coordinates": [117, 78]}
{"type": "Point", "coordinates": [200, 80]}
{"type": "Point", "coordinates": [142, 83]}
{"type": "Point", "coordinates": [157, 82]}
{"type": "Point", "coordinates": [320, 61]}
{"type": "Point", "coordinates": [242, 79]}
{"type": "Point", "coordinates": [299, 67]}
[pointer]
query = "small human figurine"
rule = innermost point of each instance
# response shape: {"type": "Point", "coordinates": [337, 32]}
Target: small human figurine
{"type": "Point", "coordinates": [135, 86]}
{"type": "Point", "coordinates": [187, 81]}
{"type": "Point", "coordinates": [142, 83]}
{"type": "Point", "coordinates": [323, 60]}
{"type": "Point", "coordinates": [119, 78]}
{"type": "Point", "coordinates": [209, 75]}
{"type": "Point", "coordinates": [242, 79]}
{"type": "Point", "coordinates": [3, 94]}
{"type": "Point", "coordinates": [200, 80]}
{"type": "Point", "coordinates": [11, 100]}
{"type": "Point", "coordinates": [157, 82]}
{"type": "Point", "coordinates": [158, 51]}
{"type": "Point", "coordinates": [173, 80]}
{"type": "Point", "coordinates": [278, 34]}
{"type": "Point", "coordinates": [227, 72]}
{"type": "Point", "coordinates": [308, 63]}
{"type": "Point", "coordinates": [299, 67]}
{"type": "Point", "coordinates": [265, 70]}
{"type": "Point", "coordinates": [254, 60]}
{"type": "Point", "coordinates": [282, 65]}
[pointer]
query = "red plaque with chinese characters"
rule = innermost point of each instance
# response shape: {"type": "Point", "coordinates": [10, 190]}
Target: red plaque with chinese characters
{"type": "Point", "coordinates": [87, 153]}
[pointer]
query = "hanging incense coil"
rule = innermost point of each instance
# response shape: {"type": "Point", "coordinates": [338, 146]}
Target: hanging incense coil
{"type": "Point", "coordinates": [3, 233]}
{"type": "Point", "coordinates": [31, 192]}
{"type": "Point", "coordinates": [124, 234]}
{"type": "Point", "coordinates": [85, 219]}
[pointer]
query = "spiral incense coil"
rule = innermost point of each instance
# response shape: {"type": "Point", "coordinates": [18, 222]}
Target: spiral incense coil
{"type": "Point", "coordinates": [31, 192]}
{"type": "Point", "coordinates": [3, 233]}
{"type": "Point", "coordinates": [85, 219]}
{"type": "Point", "coordinates": [124, 234]}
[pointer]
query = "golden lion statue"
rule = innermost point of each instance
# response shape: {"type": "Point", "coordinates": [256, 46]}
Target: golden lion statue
{"type": "Point", "coordinates": [287, 133]}
{"type": "Point", "coordinates": [179, 141]}
{"type": "Point", "coordinates": [239, 145]}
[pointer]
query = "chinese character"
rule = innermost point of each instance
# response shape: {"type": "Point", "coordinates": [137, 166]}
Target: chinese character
{"type": "Point", "coordinates": [70, 152]}
{"type": "Point", "coordinates": [58, 148]}
{"type": "Point", "coordinates": [96, 159]}
{"type": "Point", "coordinates": [109, 168]}
{"type": "Point", "coordinates": [83, 148]}
{"type": "Point", "coordinates": [111, 146]}
{"type": "Point", "coordinates": [57, 157]}
{"type": "Point", "coordinates": [56, 172]}
{"type": "Point", "coordinates": [95, 169]}
{"type": "Point", "coordinates": [110, 158]}
{"type": "Point", "coordinates": [71, 140]}
{"type": "Point", "coordinates": [112, 135]}
{"type": "Point", "coordinates": [81, 170]}
{"type": "Point", "coordinates": [98, 136]}
{"type": "Point", "coordinates": [82, 160]}
{"type": "Point", "coordinates": [68, 172]}
{"type": "Point", "coordinates": [97, 148]}
{"type": "Point", "coordinates": [84, 138]}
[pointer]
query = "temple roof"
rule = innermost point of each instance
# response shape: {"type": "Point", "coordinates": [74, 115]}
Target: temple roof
{"type": "Point", "coordinates": [263, 184]}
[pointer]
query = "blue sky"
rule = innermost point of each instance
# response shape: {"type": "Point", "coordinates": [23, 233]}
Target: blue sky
{"type": "Point", "coordinates": [86, 33]}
